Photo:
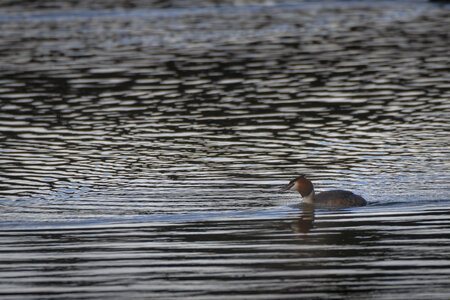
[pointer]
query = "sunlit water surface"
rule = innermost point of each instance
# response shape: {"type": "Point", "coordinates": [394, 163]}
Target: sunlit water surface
{"type": "Point", "coordinates": [142, 150]}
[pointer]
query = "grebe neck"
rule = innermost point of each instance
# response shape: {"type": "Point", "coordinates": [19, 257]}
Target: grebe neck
{"type": "Point", "coordinates": [309, 198]}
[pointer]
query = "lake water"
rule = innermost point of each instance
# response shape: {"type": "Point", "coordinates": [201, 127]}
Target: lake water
{"type": "Point", "coordinates": [143, 144]}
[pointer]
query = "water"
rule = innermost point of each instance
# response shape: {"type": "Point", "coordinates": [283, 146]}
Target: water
{"type": "Point", "coordinates": [142, 146]}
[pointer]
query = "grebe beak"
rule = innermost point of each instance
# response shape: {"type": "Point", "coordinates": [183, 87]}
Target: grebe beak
{"type": "Point", "coordinates": [287, 187]}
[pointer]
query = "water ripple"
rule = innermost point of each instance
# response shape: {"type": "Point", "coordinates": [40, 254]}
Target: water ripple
{"type": "Point", "coordinates": [141, 149]}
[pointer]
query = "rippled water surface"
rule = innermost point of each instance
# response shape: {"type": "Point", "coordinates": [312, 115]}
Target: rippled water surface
{"type": "Point", "coordinates": [142, 147]}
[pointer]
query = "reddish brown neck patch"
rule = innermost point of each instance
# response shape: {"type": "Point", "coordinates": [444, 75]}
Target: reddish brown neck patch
{"type": "Point", "coordinates": [304, 186]}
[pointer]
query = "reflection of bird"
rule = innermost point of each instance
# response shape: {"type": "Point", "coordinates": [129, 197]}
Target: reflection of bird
{"type": "Point", "coordinates": [334, 198]}
{"type": "Point", "coordinates": [305, 222]}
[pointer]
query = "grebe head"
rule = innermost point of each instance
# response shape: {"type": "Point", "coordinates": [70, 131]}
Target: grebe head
{"type": "Point", "coordinates": [301, 184]}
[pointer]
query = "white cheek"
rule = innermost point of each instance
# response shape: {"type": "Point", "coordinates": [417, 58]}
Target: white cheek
{"type": "Point", "coordinates": [309, 198]}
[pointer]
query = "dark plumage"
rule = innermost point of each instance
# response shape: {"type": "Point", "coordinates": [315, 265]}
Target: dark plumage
{"type": "Point", "coordinates": [338, 198]}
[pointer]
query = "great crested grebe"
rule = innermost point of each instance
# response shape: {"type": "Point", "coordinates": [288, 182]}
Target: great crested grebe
{"type": "Point", "coordinates": [334, 198]}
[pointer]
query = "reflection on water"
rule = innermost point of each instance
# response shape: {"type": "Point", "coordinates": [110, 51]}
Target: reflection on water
{"type": "Point", "coordinates": [141, 149]}
{"type": "Point", "coordinates": [354, 254]}
{"type": "Point", "coordinates": [305, 221]}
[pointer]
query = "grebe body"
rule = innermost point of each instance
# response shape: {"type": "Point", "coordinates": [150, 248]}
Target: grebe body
{"type": "Point", "coordinates": [333, 198]}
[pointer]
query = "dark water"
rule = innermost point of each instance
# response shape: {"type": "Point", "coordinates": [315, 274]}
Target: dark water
{"type": "Point", "coordinates": [142, 146]}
